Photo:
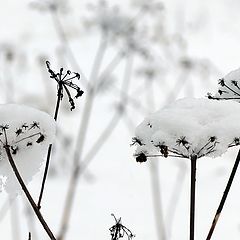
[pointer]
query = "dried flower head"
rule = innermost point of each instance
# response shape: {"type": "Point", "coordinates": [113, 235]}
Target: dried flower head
{"type": "Point", "coordinates": [188, 127]}
{"type": "Point", "coordinates": [27, 132]}
{"type": "Point", "coordinates": [64, 82]}
{"type": "Point", "coordinates": [229, 87]}
{"type": "Point", "coordinates": [118, 230]}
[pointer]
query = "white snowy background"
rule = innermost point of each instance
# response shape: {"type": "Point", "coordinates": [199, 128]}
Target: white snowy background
{"type": "Point", "coordinates": [196, 43]}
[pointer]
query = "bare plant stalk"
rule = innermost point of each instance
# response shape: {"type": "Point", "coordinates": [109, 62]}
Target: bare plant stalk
{"type": "Point", "coordinates": [59, 96]}
{"type": "Point", "coordinates": [77, 165]}
{"type": "Point", "coordinates": [15, 219]}
{"type": "Point", "coordinates": [28, 195]}
{"type": "Point", "coordinates": [81, 138]}
{"type": "Point", "coordinates": [30, 219]}
{"type": "Point", "coordinates": [192, 197]}
{"type": "Point", "coordinates": [63, 37]}
{"type": "Point", "coordinates": [224, 197]}
{"type": "Point", "coordinates": [173, 202]}
{"type": "Point", "coordinates": [157, 201]}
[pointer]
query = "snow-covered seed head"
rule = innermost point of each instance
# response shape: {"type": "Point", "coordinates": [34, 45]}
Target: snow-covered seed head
{"type": "Point", "coordinates": [229, 87]}
{"type": "Point", "coordinates": [188, 127]}
{"type": "Point", "coordinates": [27, 133]}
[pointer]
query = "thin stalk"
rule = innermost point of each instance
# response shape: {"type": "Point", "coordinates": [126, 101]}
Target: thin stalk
{"type": "Point", "coordinates": [30, 220]}
{"type": "Point", "coordinates": [77, 157]}
{"type": "Point", "coordinates": [59, 96]}
{"type": "Point", "coordinates": [81, 138]}
{"type": "Point", "coordinates": [174, 200]}
{"type": "Point", "coordinates": [157, 201]}
{"type": "Point", "coordinates": [224, 197]}
{"type": "Point", "coordinates": [63, 37]}
{"type": "Point", "coordinates": [28, 195]}
{"type": "Point", "coordinates": [192, 197]}
{"type": "Point", "coordinates": [15, 219]}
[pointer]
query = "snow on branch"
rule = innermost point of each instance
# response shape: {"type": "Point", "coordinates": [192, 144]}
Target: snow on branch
{"type": "Point", "coordinates": [27, 132]}
{"type": "Point", "coordinates": [189, 127]}
{"type": "Point", "coordinates": [229, 87]}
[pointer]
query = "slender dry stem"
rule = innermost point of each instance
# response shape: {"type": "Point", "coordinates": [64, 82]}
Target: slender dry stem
{"type": "Point", "coordinates": [28, 195]}
{"type": "Point", "coordinates": [224, 197]}
{"type": "Point", "coordinates": [157, 201]}
{"type": "Point", "coordinates": [49, 148]}
{"type": "Point", "coordinates": [192, 197]}
{"type": "Point", "coordinates": [81, 138]}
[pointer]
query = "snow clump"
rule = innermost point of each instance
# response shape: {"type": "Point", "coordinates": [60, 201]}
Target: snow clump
{"type": "Point", "coordinates": [188, 127]}
{"type": "Point", "coordinates": [28, 132]}
{"type": "Point", "coordinates": [229, 87]}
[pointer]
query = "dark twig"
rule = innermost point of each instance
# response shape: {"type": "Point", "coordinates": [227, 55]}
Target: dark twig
{"type": "Point", "coordinates": [192, 198]}
{"type": "Point", "coordinates": [26, 192]}
{"type": "Point", "coordinates": [224, 197]}
{"type": "Point", "coordinates": [64, 81]}
{"type": "Point", "coordinates": [49, 150]}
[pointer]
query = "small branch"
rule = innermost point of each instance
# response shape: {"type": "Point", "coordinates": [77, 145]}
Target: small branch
{"type": "Point", "coordinates": [224, 197]}
{"type": "Point", "coordinates": [28, 195]}
{"type": "Point", "coordinates": [192, 198]}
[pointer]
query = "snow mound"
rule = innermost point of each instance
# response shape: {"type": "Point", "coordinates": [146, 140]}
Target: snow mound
{"type": "Point", "coordinates": [229, 87]}
{"type": "Point", "coordinates": [189, 127]}
{"type": "Point", "coordinates": [28, 133]}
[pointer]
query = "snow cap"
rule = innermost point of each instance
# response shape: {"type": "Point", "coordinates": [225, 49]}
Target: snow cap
{"type": "Point", "coordinates": [229, 87]}
{"type": "Point", "coordinates": [29, 132]}
{"type": "Point", "coordinates": [188, 127]}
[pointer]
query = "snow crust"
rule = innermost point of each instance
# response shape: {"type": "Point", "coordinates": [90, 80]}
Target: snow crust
{"type": "Point", "coordinates": [29, 133]}
{"type": "Point", "coordinates": [190, 127]}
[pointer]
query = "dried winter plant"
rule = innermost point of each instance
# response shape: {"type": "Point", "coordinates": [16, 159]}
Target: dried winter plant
{"type": "Point", "coordinates": [191, 129]}
{"type": "Point", "coordinates": [64, 84]}
{"type": "Point", "coordinates": [118, 230]}
{"type": "Point", "coordinates": [229, 90]}
{"type": "Point", "coordinates": [25, 134]}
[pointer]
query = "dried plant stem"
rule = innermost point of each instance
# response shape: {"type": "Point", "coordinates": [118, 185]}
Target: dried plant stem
{"type": "Point", "coordinates": [15, 219]}
{"type": "Point", "coordinates": [63, 37]}
{"type": "Point", "coordinates": [224, 197]}
{"type": "Point", "coordinates": [157, 201]}
{"type": "Point", "coordinates": [30, 218]}
{"type": "Point", "coordinates": [81, 138]}
{"type": "Point", "coordinates": [192, 197]}
{"type": "Point", "coordinates": [28, 195]}
{"type": "Point", "coordinates": [174, 200]}
{"type": "Point", "coordinates": [78, 165]}
{"type": "Point", "coordinates": [59, 96]}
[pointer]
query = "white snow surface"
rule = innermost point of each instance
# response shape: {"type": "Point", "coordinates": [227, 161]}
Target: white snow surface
{"type": "Point", "coordinates": [230, 87]}
{"type": "Point", "coordinates": [209, 128]}
{"type": "Point", "coordinates": [30, 154]}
